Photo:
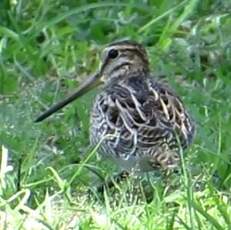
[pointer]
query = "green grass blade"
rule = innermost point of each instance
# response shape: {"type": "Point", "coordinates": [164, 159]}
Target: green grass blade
{"type": "Point", "coordinates": [197, 206]}
{"type": "Point", "coordinates": [160, 17]}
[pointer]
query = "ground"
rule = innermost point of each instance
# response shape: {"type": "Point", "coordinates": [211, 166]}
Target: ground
{"type": "Point", "coordinates": [46, 49]}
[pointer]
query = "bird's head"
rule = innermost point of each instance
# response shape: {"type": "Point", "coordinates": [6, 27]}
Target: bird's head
{"type": "Point", "coordinates": [119, 59]}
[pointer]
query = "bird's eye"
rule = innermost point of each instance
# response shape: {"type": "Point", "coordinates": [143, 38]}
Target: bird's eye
{"type": "Point", "coordinates": [113, 53]}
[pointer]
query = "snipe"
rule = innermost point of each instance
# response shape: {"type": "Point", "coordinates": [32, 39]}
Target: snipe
{"type": "Point", "coordinates": [147, 122]}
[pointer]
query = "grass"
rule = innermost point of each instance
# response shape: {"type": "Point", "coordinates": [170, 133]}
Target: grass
{"type": "Point", "coordinates": [46, 49]}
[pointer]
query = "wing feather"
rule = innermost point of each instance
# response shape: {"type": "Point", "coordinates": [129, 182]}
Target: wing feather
{"type": "Point", "coordinates": [144, 115]}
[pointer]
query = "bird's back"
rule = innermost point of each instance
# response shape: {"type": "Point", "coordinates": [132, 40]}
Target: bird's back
{"type": "Point", "coordinates": [145, 121]}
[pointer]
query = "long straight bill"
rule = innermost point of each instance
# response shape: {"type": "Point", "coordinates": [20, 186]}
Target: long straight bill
{"type": "Point", "coordinates": [86, 86]}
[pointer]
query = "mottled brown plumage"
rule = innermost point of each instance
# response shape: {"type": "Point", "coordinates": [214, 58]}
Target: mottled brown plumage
{"type": "Point", "coordinates": [142, 122]}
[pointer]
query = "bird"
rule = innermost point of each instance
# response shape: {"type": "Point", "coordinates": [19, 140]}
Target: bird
{"type": "Point", "coordinates": [139, 121]}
